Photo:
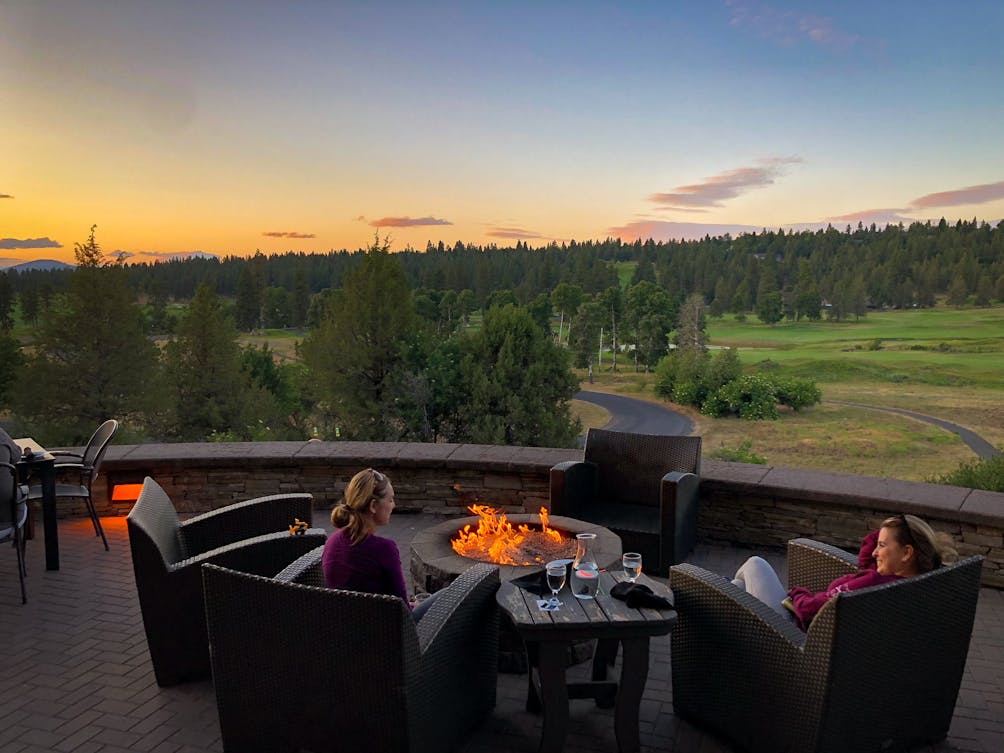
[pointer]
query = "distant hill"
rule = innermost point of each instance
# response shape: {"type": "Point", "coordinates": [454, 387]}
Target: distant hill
{"type": "Point", "coordinates": [40, 264]}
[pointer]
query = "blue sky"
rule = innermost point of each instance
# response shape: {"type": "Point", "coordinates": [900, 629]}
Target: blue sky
{"type": "Point", "coordinates": [226, 127]}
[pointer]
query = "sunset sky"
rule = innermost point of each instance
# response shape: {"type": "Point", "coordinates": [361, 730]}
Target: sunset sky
{"type": "Point", "coordinates": [223, 127]}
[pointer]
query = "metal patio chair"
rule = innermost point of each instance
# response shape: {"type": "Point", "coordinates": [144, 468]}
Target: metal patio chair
{"type": "Point", "coordinates": [81, 469]}
{"type": "Point", "coordinates": [13, 516]}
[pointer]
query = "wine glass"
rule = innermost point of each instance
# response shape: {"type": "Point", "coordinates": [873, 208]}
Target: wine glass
{"type": "Point", "coordinates": [632, 565]}
{"type": "Point", "coordinates": [556, 572]}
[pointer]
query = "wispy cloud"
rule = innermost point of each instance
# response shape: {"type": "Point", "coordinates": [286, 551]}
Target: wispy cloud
{"type": "Point", "coordinates": [407, 222]}
{"type": "Point", "coordinates": [878, 216]}
{"type": "Point", "coordinates": [513, 232]}
{"type": "Point", "coordinates": [980, 194]}
{"type": "Point", "coordinates": [728, 185]}
{"type": "Point", "coordinates": [5, 196]}
{"type": "Point", "coordinates": [287, 234]}
{"type": "Point", "coordinates": [788, 27]}
{"type": "Point", "coordinates": [12, 243]}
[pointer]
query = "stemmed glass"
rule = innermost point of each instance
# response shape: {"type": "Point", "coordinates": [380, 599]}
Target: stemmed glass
{"type": "Point", "coordinates": [556, 572]}
{"type": "Point", "coordinates": [632, 565]}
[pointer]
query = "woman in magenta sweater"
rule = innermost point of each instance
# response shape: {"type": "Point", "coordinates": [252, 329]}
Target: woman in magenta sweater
{"type": "Point", "coordinates": [904, 546]}
{"type": "Point", "coordinates": [354, 557]}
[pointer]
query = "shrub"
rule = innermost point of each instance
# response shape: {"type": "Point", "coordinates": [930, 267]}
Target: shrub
{"type": "Point", "coordinates": [751, 397]}
{"type": "Point", "coordinates": [796, 392]}
{"type": "Point", "coordinates": [741, 454]}
{"type": "Point", "coordinates": [985, 474]}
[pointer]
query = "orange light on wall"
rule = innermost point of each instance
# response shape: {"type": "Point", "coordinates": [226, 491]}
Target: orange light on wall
{"type": "Point", "coordinates": [126, 492]}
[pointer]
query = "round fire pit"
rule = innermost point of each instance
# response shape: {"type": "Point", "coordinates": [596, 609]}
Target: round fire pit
{"type": "Point", "coordinates": [435, 565]}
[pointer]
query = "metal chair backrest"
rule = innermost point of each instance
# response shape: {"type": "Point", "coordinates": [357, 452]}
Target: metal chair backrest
{"type": "Point", "coordinates": [96, 446]}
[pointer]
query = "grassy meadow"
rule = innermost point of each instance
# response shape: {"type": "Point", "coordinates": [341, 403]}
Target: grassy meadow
{"type": "Point", "coordinates": [945, 363]}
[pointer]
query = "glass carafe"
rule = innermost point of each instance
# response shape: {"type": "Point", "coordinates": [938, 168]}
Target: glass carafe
{"type": "Point", "coordinates": [585, 571]}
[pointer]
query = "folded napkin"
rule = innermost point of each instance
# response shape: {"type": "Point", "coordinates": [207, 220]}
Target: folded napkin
{"type": "Point", "coordinates": [638, 595]}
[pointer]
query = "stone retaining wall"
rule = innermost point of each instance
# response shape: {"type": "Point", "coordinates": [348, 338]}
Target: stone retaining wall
{"type": "Point", "coordinates": [755, 505]}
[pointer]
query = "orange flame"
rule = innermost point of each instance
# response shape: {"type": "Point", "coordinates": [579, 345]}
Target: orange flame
{"type": "Point", "coordinates": [496, 540]}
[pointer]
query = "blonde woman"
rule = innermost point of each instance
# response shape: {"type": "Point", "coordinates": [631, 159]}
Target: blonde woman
{"type": "Point", "coordinates": [903, 547]}
{"type": "Point", "coordinates": [355, 557]}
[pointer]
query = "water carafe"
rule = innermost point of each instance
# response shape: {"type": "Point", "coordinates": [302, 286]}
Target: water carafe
{"type": "Point", "coordinates": [585, 571]}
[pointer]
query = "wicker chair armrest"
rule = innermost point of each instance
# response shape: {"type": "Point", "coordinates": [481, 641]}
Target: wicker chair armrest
{"type": "Point", "coordinates": [258, 555]}
{"type": "Point", "coordinates": [457, 604]}
{"type": "Point", "coordinates": [243, 520]}
{"type": "Point", "coordinates": [573, 483]}
{"type": "Point", "coordinates": [814, 565]}
{"type": "Point", "coordinates": [695, 588]}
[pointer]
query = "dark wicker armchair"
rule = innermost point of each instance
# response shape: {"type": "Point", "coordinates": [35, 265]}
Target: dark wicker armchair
{"type": "Point", "coordinates": [643, 487]}
{"type": "Point", "coordinates": [878, 670]}
{"type": "Point", "coordinates": [167, 555]}
{"type": "Point", "coordinates": [300, 667]}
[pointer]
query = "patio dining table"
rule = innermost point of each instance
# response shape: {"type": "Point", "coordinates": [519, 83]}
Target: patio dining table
{"type": "Point", "coordinates": [41, 464]}
{"type": "Point", "coordinates": [547, 635]}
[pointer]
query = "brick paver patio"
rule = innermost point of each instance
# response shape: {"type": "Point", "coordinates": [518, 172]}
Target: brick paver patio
{"type": "Point", "coordinates": [77, 678]}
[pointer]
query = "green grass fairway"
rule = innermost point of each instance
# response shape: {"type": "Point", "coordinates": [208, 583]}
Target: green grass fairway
{"type": "Point", "coordinates": [943, 347]}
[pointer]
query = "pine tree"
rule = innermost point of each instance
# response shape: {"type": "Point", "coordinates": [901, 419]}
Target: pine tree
{"type": "Point", "coordinates": [205, 381]}
{"type": "Point", "coordinates": [356, 355]}
{"type": "Point", "coordinates": [92, 359]}
{"type": "Point", "coordinates": [518, 383]}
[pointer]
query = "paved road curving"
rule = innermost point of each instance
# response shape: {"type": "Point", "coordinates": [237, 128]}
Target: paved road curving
{"type": "Point", "coordinates": [639, 416]}
{"type": "Point", "coordinates": [973, 441]}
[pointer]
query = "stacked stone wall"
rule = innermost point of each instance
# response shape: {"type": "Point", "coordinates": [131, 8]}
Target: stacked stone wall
{"type": "Point", "coordinates": [752, 505]}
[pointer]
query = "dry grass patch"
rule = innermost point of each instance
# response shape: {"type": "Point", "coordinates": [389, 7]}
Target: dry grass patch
{"type": "Point", "coordinates": [592, 416]}
{"type": "Point", "coordinates": [845, 440]}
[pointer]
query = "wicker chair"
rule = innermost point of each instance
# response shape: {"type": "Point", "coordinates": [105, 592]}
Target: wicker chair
{"type": "Point", "coordinates": [643, 487]}
{"type": "Point", "coordinates": [878, 670]}
{"type": "Point", "coordinates": [300, 667]}
{"type": "Point", "coordinates": [251, 536]}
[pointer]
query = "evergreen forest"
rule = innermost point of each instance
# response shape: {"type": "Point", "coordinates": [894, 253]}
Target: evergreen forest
{"type": "Point", "coordinates": [388, 350]}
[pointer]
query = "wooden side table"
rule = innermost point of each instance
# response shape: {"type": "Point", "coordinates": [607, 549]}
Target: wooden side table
{"type": "Point", "coordinates": [610, 621]}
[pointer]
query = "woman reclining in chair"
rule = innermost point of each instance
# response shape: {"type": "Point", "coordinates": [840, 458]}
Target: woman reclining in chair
{"type": "Point", "coordinates": [904, 546]}
{"type": "Point", "coordinates": [354, 557]}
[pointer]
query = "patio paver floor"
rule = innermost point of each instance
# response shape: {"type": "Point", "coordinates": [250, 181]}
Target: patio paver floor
{"type": "Point", "coordinates": [78, 678]}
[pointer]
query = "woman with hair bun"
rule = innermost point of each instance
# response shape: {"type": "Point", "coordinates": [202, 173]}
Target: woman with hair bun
{"type": "Point", "coordinates": [354, 557]}
{"type": "Point", "coordinates": [903, 547]}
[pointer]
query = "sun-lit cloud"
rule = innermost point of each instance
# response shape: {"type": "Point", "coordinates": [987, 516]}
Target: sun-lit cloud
{"type": "Point", "coordinates": [5, 196]}
{"type": "Point", "coordinates": [8, 262]}
{"type": "Point", "coordinates": [980, 194]}
{"type": "Point", "coordinates": [512, 232]}
{"type": "Point", "coordinates": [407, 222]}
{"type": "Point", "coordinates": [878, 216]}
{"type": "Point", "coordinates": [727, 185]}
{"type": "Point", "coordinates": [788, 27]}
{"type": "Point", "coordinates": [287, 234]}
{"type": "Point", "coordinates": [12, 243]}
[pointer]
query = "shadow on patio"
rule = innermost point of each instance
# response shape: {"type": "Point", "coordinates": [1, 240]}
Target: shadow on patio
{"type": "Point", "coordinates": [78, 676]}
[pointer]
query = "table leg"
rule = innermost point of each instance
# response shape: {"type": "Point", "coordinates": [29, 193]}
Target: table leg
{"type": "Point", "coordinates": [634, 673]}
{"type": "Point", "coordinates": [532, 665]}
{"type": "Point", "coordinates": [554, 694]}
{"type": "Point", "coordinates": [47, 474]}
